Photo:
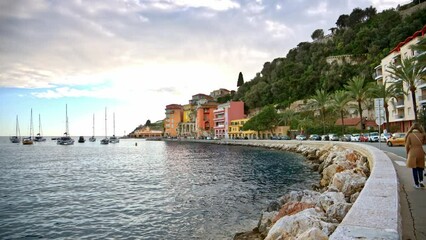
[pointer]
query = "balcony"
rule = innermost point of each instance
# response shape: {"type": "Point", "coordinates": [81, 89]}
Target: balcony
{"type": "Point", "coordinates": [421, 84]}
{"type": "Point", "coordinates": [399, 104]}
{"type": "Point", "coordinates": [221, 110]}
{"type": "Point", "coordinates": [399, 117]}
{"type": "Point", "coordinates": [422, 99]}
{"type": "Point", "coordinates": [217, 119]}
{"type": "Point", "coordinates": [219, 127]}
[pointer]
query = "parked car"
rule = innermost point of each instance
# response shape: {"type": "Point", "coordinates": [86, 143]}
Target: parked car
{"type": "Point", "coordinates": [333, 137]}
{"type": "Point", "coordinates": [315, 137]}
{"type": "Point", "coordinates": [301, 137]}
{"type": "Point", "coordinates": [355, 137]}
{"type": "Point", "coordinates": [363, 137]}
{"type": "Point", "coordinates": [346, 138]}
{"type": "Point", "coordinates": [373, 137]}
{"type": "Point", "coordinates": [397, 139]}
{"type": "Point", "coordinates": [325, 138]}
{"type": "Point", "coordinates": [384, 137]}
{"type": "Point", "coordinates": [285, 137]}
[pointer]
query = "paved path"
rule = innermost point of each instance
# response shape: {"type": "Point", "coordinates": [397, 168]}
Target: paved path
{"type": "Point", "coordinates": [412, 201]}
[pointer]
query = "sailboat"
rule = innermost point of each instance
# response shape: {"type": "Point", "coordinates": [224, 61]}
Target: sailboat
{"type": "Point", "coordinates": [17, 137]}
{"type": "Point", "coordinates": [114, 139]}
{"type": "Point", "coordinates": [105, 140]}
{"type": "Point", "coordinates": [29, 140]}
{"type": "Point", "coordinates": [66, 139]}
{"type": "Point", "coordinates": [92, 138]}
{"type": "Point", "coordinates": [39, 137]}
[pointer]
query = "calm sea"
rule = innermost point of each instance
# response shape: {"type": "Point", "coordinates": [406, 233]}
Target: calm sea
{"type": "Point", "coordinates": [155, 190]}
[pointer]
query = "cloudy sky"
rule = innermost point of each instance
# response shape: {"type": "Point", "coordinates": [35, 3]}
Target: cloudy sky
{"type": "Point", "coordinates": [136, 56]}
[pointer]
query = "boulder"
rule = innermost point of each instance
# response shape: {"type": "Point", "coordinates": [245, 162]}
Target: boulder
{"type": "Point", "coordinates": [313, 234]}
{"type": "Point", "coordinates": [265, 222]}
{"type": "Point", "coordinates": [348, 182]}
{"type": "Point", "coordinates": [327, 199]}
{"type": "Point", "coordinates": [291, 208]}
{"type": "Point", "coordinates": [338, 211]}
{"type": "Point", "coordinates": [297, 224]}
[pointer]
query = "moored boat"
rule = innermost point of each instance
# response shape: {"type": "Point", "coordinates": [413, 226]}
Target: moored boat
{"type": "Point", "coordinates": [105, 141]}
{"type": "Point", "coordinates": [39, 137]}
{"type": "Point", "coordinates": [66, 139]}
{"type": "Point", "coordinates": [29, 140]}
{"type": "Point", "coordinates": [81, 139]}
{"type": "Point", "coordinates": [114, 139]}
{"type": "Point", "coordinates": [17, 137]}
{"type": "Point", "coordinates": [92, 138]}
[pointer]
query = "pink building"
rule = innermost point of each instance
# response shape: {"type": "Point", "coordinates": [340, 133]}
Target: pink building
{"type": "Point", "coordinates": [223, 116]}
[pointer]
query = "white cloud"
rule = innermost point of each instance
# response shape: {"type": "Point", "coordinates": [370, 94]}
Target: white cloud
{"type": "Point", "coordinates": [279, 30]}
{"type": "Point", "coordinates": [320, 9]}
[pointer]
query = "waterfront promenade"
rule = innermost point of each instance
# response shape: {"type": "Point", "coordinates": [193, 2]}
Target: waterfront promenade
{"type": "Point", "coordinates": [412, 201]}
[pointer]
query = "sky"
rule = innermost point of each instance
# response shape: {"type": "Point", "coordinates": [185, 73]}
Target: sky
{"type": "Point", "coordinates": [131, 58]}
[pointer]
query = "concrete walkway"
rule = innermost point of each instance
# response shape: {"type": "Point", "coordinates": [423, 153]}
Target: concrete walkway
{"type": "Point", "coordinates": [412, 201]}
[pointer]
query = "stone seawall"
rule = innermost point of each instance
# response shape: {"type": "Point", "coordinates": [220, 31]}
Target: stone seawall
{"type": "Point", "coordinates": [338, 209]}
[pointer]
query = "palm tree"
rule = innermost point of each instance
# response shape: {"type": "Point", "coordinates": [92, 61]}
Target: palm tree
{"type": "Point", "coordinates": [320, 101]}
{"type": "Point", "coordinates": [286, 116]}
{"type": "Point", "coordinates": [388, 92]}
{"type": "Point", "coordinates": [339, 101]}
{"type": "Point", "coordinates": [360, 91]}
{"type": "Point", "coordinates": [421, 48]}
{"type": "Point", "coordinates": [408, 73]}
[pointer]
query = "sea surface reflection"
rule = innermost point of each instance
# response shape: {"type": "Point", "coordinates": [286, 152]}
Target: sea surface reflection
{"type": "Point", "coordinates": [155, 190]}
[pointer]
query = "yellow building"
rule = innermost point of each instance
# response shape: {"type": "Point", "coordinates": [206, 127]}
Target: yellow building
{"type": "Point", "coordinates": [187, 126]}
{"type": "Point", "coordinates": [236, 131]}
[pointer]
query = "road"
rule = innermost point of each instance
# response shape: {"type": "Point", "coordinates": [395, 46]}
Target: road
{"type": "Point", "coordinates": [412, 201]}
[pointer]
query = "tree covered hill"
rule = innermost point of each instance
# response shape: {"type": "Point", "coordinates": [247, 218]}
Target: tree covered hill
{"type": "Point", "coordinates": [364, 34]}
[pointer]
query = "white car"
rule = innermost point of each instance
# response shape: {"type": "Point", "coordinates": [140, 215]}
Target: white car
{"type": "Point", "coordinates": [355, 137]}
{"type": "Point", "coordinates": [373, 137]}
{"type": "Point", "coordinates": [301, 137]}
{"type": "Point", "coordinates": [384, 137]}
{"type": "Point", "coordinates": [333, 137]}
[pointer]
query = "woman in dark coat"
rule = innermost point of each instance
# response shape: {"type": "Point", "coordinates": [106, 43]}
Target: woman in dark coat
{"type": "Point", "coordinates": [414, 141]}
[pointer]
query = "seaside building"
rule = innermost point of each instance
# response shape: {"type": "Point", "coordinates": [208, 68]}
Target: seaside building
{"type": "Point", "coordinates": [174, 115]}
{"type": "Point", "coordinates": [401, 112]}
{"type": "Point", "coordinates": [224, 114]}
{"type": "Point", "coordinates": [200, 98]}
{"type": "Point", "coordinates": [187, 126]}
{"type": "Point", "coordinates": [222, 92]}
{"type": "Point", "coordinates": [236, 131]}
{"type": "Point", "coordinates": [146, 132]}
{"type": "Point", "coordinates": [204, 122]}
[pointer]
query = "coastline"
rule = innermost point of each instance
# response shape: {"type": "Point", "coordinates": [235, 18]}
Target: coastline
{"type": "Point", "coordinates": [336, 208]}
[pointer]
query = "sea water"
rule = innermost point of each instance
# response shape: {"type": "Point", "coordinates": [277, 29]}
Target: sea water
{"type": "Point", "coordinates": [148, 190]}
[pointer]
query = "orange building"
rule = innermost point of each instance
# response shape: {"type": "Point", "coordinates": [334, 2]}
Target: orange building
{"type": "Point", "coordinates": [174, 116]}
{"type": "Point", "coordinates": [205, 119]}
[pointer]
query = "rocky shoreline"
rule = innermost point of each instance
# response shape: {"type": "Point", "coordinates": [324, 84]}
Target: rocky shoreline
{"type": "Point", "coordinates": [316, 213]}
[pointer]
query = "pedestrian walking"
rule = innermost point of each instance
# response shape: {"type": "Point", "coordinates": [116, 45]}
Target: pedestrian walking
{"type": "Point", "coordinates": [414, 141]}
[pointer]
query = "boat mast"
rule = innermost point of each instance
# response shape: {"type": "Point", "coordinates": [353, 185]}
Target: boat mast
{"type": "Point", "coordinates": [31, 125]}
{"type": "Point", "coordinates": [18, 132]}
{"type": "Point", "coordinates": [93, 126]}
{"type": "Point", "coordinates": [113, 125]}
{"type": "Point", "coordinates": [66, 120]}
{"type": "Point", "coordinates": [39, 126]}
{"type": "Point", "coordinates": [106, 123]}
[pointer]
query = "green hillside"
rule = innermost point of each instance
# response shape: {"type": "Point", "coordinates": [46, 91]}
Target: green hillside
{"type": "Point", "coordinates": [364, 34]}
